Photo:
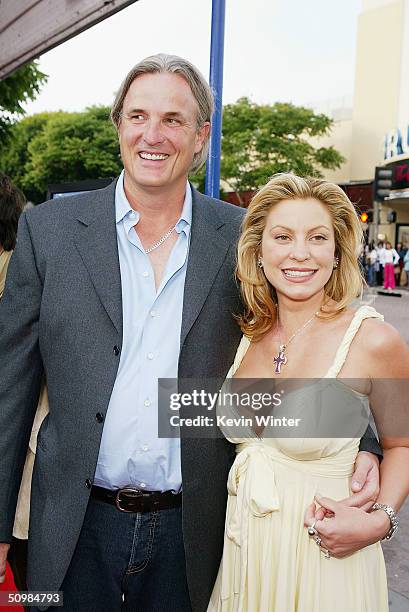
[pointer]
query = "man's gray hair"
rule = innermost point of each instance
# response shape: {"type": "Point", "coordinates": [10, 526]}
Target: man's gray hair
{"type": "Point", "coordinates": [162, 63]}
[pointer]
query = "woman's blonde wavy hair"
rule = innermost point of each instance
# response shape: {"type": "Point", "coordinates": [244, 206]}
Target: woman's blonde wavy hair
{"type": "Point", "coordinates": [346, 282]}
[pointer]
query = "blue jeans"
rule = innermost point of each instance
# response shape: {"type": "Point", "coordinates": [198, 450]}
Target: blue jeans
{"type": "Point", "coordinates": [371, 275]}
{"type": "Point", "coordinates": [128, 563]}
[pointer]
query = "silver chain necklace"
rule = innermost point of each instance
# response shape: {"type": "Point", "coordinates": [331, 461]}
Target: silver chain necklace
{"type": "Point", "coordinates": [281, 358]}
{"type": "Point", "coordinates": [161, 240]}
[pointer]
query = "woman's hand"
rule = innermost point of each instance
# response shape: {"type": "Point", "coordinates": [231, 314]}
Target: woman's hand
{"type": "Point", "coordinates": [349, 529]}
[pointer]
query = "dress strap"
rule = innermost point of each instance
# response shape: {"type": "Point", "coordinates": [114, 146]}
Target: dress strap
{"type": "Point", "coordinates": [241, 351]}
{"type": "Point", "coordinates": [363, 312]}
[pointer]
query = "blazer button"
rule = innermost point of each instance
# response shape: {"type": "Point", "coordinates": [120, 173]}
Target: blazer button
{"type": "Point", "coordinates": [117, 350]}
{"type": "Point", "coordinates": [88, 483]}
{"type": "Point", "coordinates": [99, 417]}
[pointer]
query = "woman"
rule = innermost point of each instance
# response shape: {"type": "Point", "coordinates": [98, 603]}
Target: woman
{"type": "Point", "coordinates": [391, 259]}
{"type": "Point", "coordinates": [297, 262]}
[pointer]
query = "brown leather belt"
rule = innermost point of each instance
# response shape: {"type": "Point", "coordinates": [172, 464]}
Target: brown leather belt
{"type": "Point", "coordinates": [131, 499]}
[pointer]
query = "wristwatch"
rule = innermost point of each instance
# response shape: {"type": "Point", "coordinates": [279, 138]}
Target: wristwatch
{"type": "Point", "coordinates": [392, 517]}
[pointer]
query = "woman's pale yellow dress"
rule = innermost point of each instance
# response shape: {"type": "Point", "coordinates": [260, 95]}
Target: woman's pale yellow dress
{"type": "Point", "coordinates": [269, 563]}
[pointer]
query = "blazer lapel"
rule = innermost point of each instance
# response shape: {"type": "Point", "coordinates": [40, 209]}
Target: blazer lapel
{"type": "Point", "coordinates": [207, 251]}
{"type": "Point", "coordinates": [96, 241]}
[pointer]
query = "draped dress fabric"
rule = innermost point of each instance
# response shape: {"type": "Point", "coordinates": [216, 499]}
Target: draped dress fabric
{"type": "Point", "coordinates": [269, 563]}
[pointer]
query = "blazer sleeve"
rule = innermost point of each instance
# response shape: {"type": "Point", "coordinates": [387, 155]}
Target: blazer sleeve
{"type": "Point", "coordinates": [370, 443]}
{"type": "Point", "coordinates": [21, 370]}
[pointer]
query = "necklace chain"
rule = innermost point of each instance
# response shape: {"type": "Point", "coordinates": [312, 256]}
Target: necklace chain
{"type": "Point", "coordinates": [161, 240]}
{"type": "Point", "coordinates": [299, 330]}
{"type": "Point", "coordinates": [281, 358]}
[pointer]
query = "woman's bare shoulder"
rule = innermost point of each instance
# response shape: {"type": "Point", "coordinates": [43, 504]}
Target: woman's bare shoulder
{"type": "Point", "coordinates": [385, 349]}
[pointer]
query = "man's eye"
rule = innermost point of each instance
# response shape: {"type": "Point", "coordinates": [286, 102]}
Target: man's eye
{"type": "Point", "coordinates": [136, 117]}
{"type": "Point", "coordinates": [172, 121]}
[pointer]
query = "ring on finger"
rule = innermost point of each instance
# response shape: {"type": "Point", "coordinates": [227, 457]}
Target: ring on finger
{"type": "Point", "coordinates": [311, 530]}
{"type": "Point", "coordinates": [318, 540]}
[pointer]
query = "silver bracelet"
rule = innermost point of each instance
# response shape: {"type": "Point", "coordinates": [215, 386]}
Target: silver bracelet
{"type": "Point", "coordinates": [392, 517]}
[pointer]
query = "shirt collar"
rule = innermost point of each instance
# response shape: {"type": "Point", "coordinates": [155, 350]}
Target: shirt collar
{"type": "Point", "coordinates": [124, 209]}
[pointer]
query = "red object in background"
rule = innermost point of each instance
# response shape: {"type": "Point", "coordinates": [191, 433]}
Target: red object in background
{"type": "Point", "coordinates": [9, 585]}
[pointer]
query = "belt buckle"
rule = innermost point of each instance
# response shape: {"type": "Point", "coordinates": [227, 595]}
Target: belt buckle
{"type": "Point", "coordinates": [132, 491]}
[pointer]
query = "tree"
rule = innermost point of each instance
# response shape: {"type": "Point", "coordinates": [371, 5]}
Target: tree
{"type": "Point", "coordinates": [23, 85]}
{"type": "Point", "coordinates": [261, 140]}
{"type": "Point", "coordinates": [61, 147]}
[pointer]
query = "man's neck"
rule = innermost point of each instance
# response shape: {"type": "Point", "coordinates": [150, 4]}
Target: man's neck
{"type": "Point", "coordinates": [155, 203]}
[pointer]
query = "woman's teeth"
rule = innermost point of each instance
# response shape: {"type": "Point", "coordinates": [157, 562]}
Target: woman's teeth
{"type": "Point", "coordinates": [298, 273]}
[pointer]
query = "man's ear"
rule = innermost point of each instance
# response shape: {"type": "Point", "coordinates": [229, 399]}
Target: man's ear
{"type": "Point", "coordinates": [201, 136]}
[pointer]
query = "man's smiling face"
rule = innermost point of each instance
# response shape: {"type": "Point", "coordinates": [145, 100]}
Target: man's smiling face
{"type": "Point", "coordinates": [158, 132]}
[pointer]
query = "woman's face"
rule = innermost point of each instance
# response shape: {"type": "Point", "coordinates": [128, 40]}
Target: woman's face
{"type": "Point", "coordinates": [298, 248]}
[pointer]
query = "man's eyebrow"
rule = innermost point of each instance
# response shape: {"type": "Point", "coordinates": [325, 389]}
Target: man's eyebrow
{"type": "Point", "coordinates": [141, 111]}
{"type": "Point", "coordinates": [134, 111]}
{"type": "Point", "coordinates": [175, 115]}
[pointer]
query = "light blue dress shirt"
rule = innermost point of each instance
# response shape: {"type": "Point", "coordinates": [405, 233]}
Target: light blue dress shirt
{"type": "Point", "coordinates": [130, 451]}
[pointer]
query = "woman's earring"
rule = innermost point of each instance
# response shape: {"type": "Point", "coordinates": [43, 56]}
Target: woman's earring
{"type": "Point", "coordinates": [336, 262]}
{"type": "Point", "coordinates": [259, 262]}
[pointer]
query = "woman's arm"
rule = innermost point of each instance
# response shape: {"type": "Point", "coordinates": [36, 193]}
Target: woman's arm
{"type": "Point", "coordinates": [351, 529]}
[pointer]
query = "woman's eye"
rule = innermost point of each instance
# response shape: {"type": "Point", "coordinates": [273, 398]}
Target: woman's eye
{"type": "Point", "coordinates": [319, 238]}
{"type": "Point", "coordinates": [282, 237]}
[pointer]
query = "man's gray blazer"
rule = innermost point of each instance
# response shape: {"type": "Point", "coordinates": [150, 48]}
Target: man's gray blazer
{"type": "Point", "coordinates": [61, 315]}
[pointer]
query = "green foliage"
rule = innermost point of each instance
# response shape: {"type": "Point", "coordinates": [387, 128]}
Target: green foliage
{"type": "Point", "coordinates": [258, 141]}
{"type": "Point", "coordinates": [61, 147]}
{"type": "Point", "coordinates": [21, 86]}
{"type": "Point", "coordinates": [261, 140]}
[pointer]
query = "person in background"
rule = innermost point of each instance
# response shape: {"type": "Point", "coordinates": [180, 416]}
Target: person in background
{"type": "Point", "coordinates": [401, 251]}
{"type": "Point", "coordinates": [406, 266]}
{"type": "Point", "coordinates": [391, 259]}
{"type": "Point", "coordinates": [12, 202]}
{"type": "Point", "coordinates": [381, 271]}
{"type": "Point", "coordinates": [371, 259]}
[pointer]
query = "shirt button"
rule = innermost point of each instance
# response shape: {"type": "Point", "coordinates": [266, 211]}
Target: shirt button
{"type": "Point", "coordinates": [132, 214]}
{"type": "Point", "coordinates": [99, 417]}
{"type": "Point", "coordinates": [150, 355]}
{"type": "Point", "coordinates": [143, 485]}
{"type": "Point", "coordinates": [147, 402]}
{"type": "Point", "coordinates": [117, 350]}
{"type": "Point", "coordinates": [88, 483]}
{"type": "Point", "coordinates": [145, 448]}
{"type": "Point", "coordinates": [153, 313]}
{"type": "Point", "coordinates": [145, 274]}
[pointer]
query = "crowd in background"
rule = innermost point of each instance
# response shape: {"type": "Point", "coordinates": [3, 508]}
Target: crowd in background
{"type": "Point", "coordinates": [386, 266]}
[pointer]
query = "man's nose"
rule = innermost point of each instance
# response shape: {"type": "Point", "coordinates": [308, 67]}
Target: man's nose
{"type": "Point", "coordinates": [153, 133]}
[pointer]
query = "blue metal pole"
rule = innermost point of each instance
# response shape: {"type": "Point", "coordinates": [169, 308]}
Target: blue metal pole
{"type": "Point", "coordinates": [216, 82]}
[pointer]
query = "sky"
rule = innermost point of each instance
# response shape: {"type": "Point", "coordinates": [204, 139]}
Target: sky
{"type": "Point", "coordinates": [300, 51]}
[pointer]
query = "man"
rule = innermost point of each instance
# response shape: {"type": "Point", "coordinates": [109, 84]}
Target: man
{"type": "Point", "coordinates": [107, 292]}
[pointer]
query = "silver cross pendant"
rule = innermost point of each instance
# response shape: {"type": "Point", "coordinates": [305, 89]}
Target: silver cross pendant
{"type": "Point", "coordinates": [280, 360]}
